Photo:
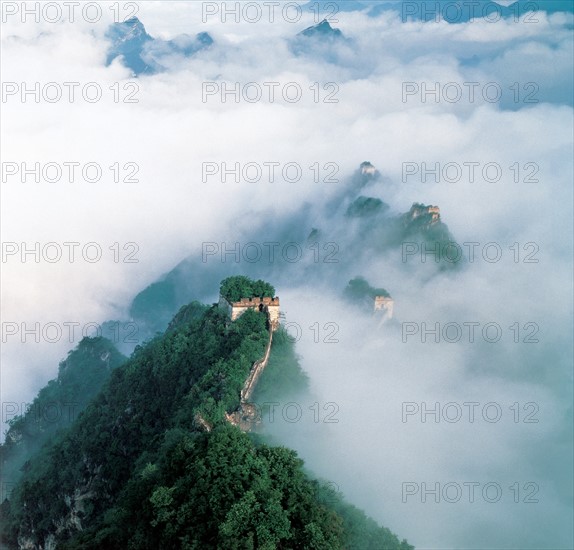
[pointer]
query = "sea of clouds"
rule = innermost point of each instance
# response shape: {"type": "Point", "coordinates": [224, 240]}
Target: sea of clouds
{"type": "Point", "coordinates": [370, 373]}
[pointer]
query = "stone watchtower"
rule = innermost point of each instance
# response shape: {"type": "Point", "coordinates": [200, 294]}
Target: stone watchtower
{"type": "Point", "coordinates": [270, 306]}
{"type": "Point", "coordinates": [367, 169]}
{"type": "Point", "coordinates": [384, 305]}
{"type": "Point", "coordinates": [431, 214]}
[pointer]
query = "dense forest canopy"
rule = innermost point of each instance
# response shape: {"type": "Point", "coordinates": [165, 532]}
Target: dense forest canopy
{"type": "Point", "coordinates": [366, 206]}
{"type": "Point", "coordinates": [136, 470]}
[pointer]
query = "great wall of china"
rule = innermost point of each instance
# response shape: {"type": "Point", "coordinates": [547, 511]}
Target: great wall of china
{"type": "Point", "coordinates": [246, 416]}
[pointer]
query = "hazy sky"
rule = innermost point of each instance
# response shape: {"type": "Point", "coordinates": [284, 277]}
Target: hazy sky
{"type": "Point", "coordinates": [171, 210]}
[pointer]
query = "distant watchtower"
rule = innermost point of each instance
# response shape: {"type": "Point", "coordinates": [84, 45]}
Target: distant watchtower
{"type": "Point", "coordinates": [270, 306]}
{"type": "Point", "coordinates": [430, 214]}
{"type": "Point", "coordinates": [367, 169]}
{"type": "Point", "coordinates": [384, 305]}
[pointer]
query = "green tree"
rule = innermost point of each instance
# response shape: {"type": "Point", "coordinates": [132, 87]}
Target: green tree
{"type": "Point", "coordinates": [237, 287]}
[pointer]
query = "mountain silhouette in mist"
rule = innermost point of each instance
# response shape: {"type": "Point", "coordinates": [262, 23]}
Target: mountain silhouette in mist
{"type": "Point", "coordinates": [142, 53]}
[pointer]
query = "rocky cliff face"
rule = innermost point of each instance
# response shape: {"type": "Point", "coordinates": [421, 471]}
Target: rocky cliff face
{"type": "Point", "coordinates": [129, 39]}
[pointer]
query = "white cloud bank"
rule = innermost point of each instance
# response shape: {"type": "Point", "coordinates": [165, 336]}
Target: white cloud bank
{"type": "Point", "coordinates": [170, 212]}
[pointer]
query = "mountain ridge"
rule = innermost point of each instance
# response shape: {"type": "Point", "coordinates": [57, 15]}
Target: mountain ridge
{"type": "Point", "coordinates": [135, 470]}
{"type": "Point", "coordinates": [142, 53]}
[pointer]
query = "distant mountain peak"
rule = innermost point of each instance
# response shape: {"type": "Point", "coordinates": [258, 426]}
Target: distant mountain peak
{"type": "Point", "coordinates": [133, 22]}
{"type": "Point", "coordinates": [142, 52]}
{"type": "Point", "coordinates": [323, 30]}
{"type": "Point", "coordinates": [130, 30]}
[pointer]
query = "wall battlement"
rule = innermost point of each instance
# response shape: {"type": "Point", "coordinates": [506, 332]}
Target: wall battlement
{"type": "Point", "coordinates": [256, 301]}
